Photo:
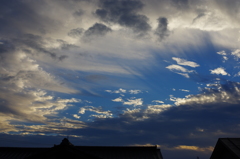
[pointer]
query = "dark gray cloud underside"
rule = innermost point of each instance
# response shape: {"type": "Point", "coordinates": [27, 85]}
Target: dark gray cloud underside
{"type": "Point", "coordinates": [124, 13]}
{"type": "Point", "coordinates": [198, 17]}
{"type": "Point", "coordinates": [78, 13]}
{"type": "Point", "coordinates": [35, 45]}
{"type": "Point", "coordinates": [162, 29]}
{"type": "Point", "coordinates": [35, 42]}
{"type": "Point", "coordinates": [97, 29]}
{"type": "Point", "coordinates": [76, 33]}
{"type": "Point", "coordinates": [18, 17]}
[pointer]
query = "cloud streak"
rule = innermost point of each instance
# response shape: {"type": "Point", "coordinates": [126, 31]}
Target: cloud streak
{"type": "Point", "coordinates": [185, 62]}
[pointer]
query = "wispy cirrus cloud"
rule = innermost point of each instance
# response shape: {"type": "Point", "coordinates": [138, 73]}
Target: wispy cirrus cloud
{"type": "Point", "coordinates": [177, 68]}
{"type": "Point", "coordinates": [185, 62]}
{"type": "Point", "coordinates": [180, 70]}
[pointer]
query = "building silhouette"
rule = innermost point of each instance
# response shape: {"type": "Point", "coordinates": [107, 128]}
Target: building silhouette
{"type": "Point", "coordinates": [226, 148]}
{"type": "Point", "coordinates": [67, 150]}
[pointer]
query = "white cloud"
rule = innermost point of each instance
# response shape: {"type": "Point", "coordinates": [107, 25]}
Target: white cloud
{"type": "Point", "coordinates": [221, 94]}
{"type": "Point", "coordinates": [86, 101]}
{"type": "Point", "coordinates": [200, 129]}
{"type": "Point", "coordinates": [158, 101]}
{"type": "Point", "coordinates": [118, 99]}
{"type": "Point", "coordinates": [219, 71]}
{"type": "Point", "coordinates": [225, 58]}
{"type": "Point", "coordinates": [222, 53]}
{"type": "Point", "coordinates": [138, 114]}
{"type": "Point", "coordinates": [98, 110]}
{"type": "Point", "coordinates": [134, 102]}
{"type": "Point", "coordinates": [177, 68]}
{"type": "Point", "coordinates": [156, 109]}
{"type": "Point", "coordinates": [184, 90]}
{"type": "Point", "coordinates": [73, 100]}
{"type": "Point", "coordinates": [236, 54]}
{"type": "Point", "coordinates": [120, 90]}
{"type": "Point", "coordinates": [135, 91]}
{"type": "Point", "coordinates": [101, 116]}
{"type": "Point", "coordinates": [25, 73]}
{"type": "Point", "coordinates": [180, 70]}
{"type": "Point", "coordinates": [31, 106]}
{"type": "Point", "coordinates": [76, 116]}
{"type": "Point", "coordinates": [174, 99]}
{"type": "Point", "coordinates": [185, 62]}
{"type": "Point", "coordinates": [132, 113]}
{"type": "Point", "coordinates": [184, 75]}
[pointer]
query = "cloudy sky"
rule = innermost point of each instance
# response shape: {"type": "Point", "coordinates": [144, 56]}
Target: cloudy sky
{"type": "Point", "coordinates": [118, 73]}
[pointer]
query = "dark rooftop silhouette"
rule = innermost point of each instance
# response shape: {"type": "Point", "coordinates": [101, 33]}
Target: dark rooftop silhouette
{"type": "Point", "coordinates": [67, 150]}
{"type": "Point", "coordinates": [227, 148]}
{"type": "Point", "coordinates": [66, 142]}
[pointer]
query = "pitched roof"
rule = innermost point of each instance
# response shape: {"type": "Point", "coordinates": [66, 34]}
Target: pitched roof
{"type": "Point", "coordinates": [227, 148]}
{"type": "Point", "coordinates": [68, 150]}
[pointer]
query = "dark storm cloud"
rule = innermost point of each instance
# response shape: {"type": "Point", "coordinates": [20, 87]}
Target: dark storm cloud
{"type": "Point", "coordinates": [6, 46]}
{"type": "Point", "coordinates": [65, 45]}
{"type": "Point", "coordinates": [17, 16]}
{"type": "Point", "coordinates": [35, 42]}
{"type": "Point", "coordinates": [61, 58]}
{"type": "Point", "coordinates": [35, 45]}
{"type": "Point", "coordinates": [76, 33]}
{"type": "Point", "coordinates": [198, 17]}
{"type": "Point", "coordinates": [125, 14]}
{"type": "Point", "coordinates": [78, 13]}
{"type": "Point", "coordinates": [97, 29]}
{"type": "Point", "coordinates": [180, 4]}
{"type": "Point", "coordinates": [162, 29]}
{"type": "Point", "coordinates": [23, 27]}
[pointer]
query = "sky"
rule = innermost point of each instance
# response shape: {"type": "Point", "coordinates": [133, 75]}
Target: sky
{"type": "Point", "coordinates": [120, 73]}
